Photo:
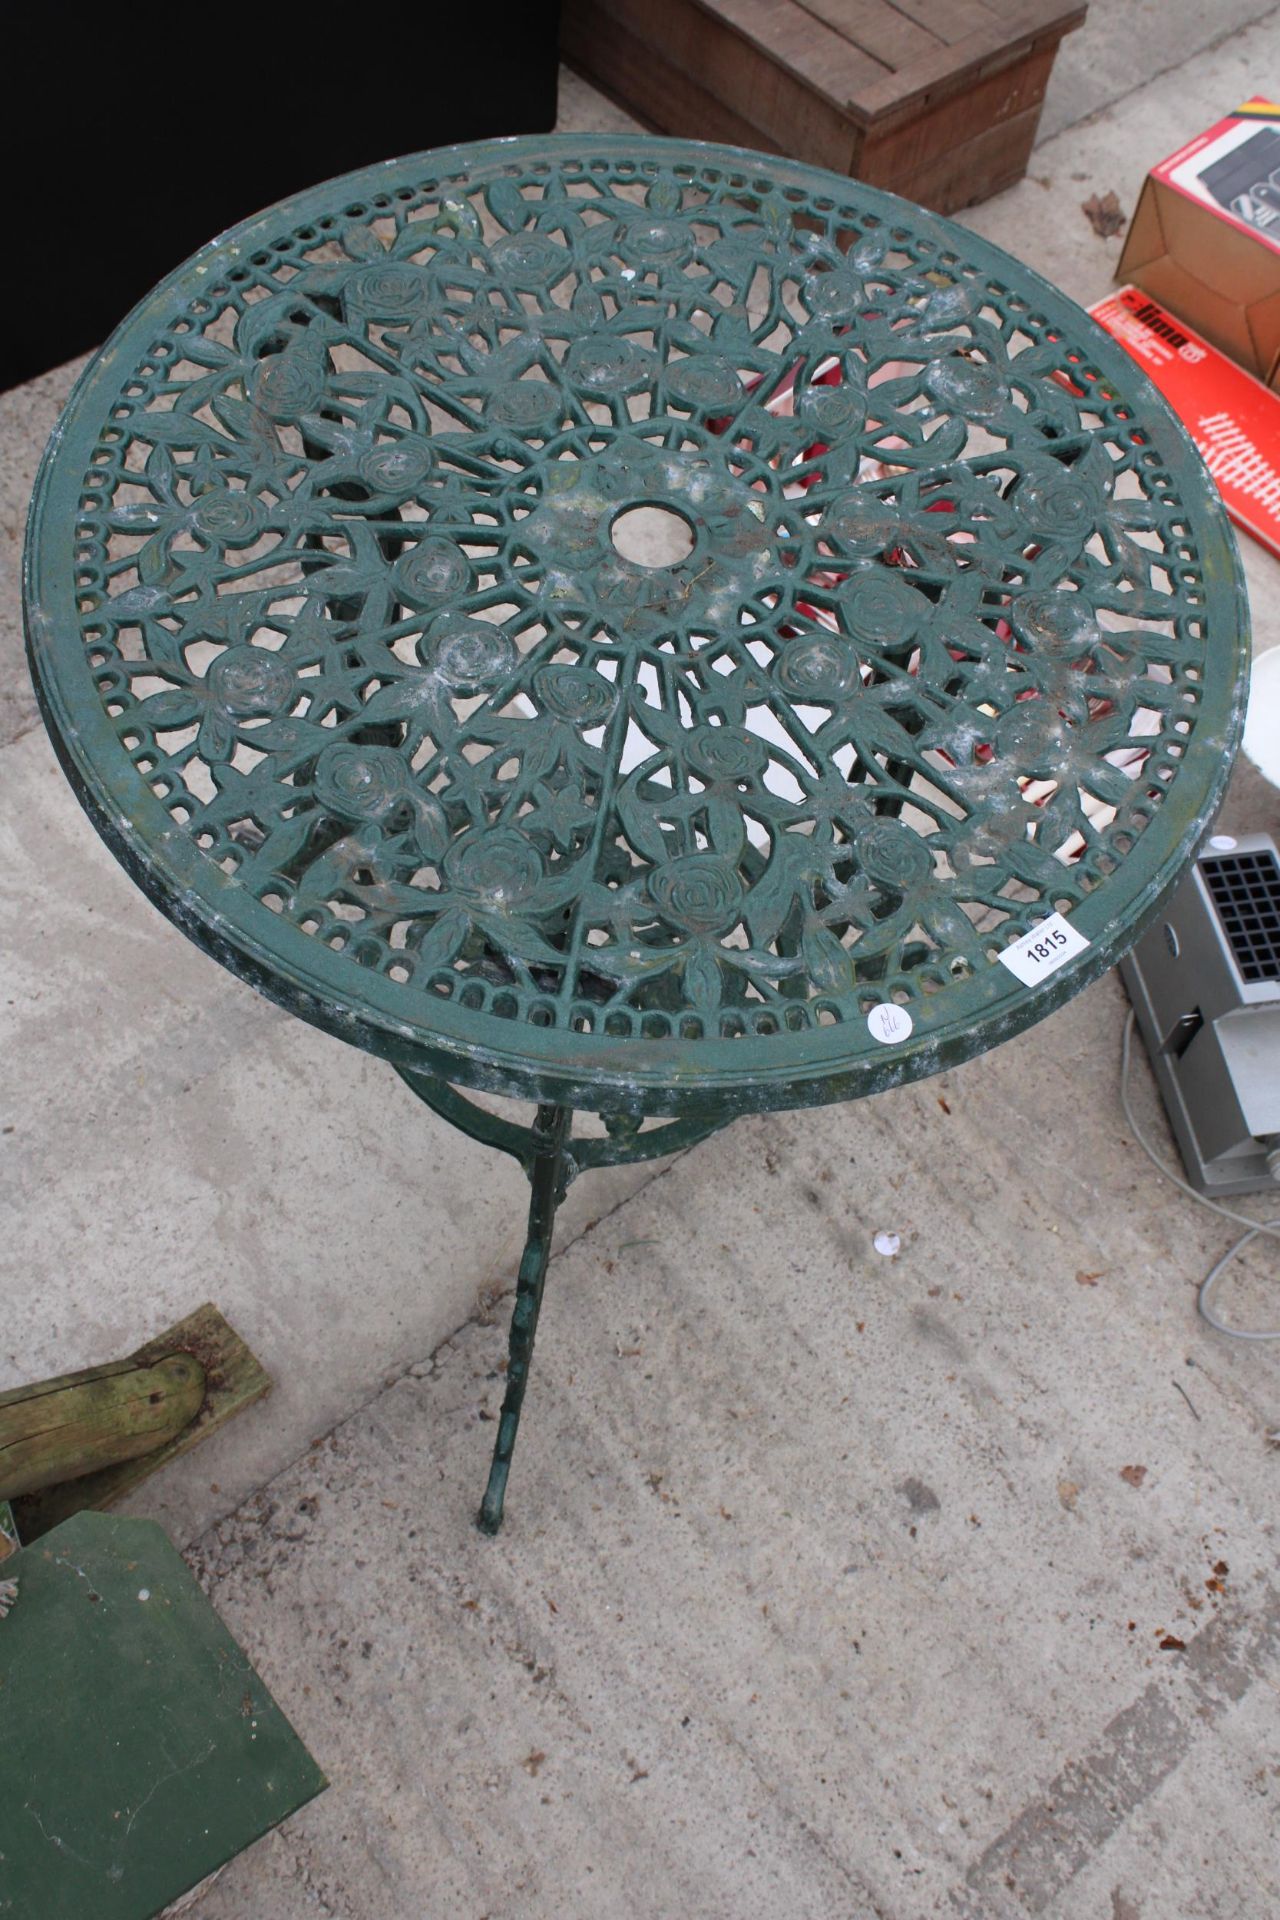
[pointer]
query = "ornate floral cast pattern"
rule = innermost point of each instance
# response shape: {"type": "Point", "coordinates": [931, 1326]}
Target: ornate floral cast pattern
{"type": "Point", "coordinates": [350, 593]}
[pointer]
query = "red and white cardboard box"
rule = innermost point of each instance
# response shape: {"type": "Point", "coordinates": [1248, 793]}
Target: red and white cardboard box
{"type": "Point", "coordinates": [1233, 419]}
{"type": "Point", "coordinates": [1205, 236]}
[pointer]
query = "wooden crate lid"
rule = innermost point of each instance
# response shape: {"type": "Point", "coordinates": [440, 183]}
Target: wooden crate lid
{"type": "Point", "coordinates": [881, 60]}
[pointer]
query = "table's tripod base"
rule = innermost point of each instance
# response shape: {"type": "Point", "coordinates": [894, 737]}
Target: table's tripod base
{"type": "Point", "coordinates": [551, 1157]}
{"type": "Point", "coordinates": [549, 1170]}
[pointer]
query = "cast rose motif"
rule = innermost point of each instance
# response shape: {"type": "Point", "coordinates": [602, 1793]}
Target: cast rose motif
{"type": "Point", "coordinates": [927, 654]}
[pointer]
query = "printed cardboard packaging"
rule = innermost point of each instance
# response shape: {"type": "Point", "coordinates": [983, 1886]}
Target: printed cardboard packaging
{"type": "Point", "coordinates": [1233, 419]}
{"type": "Point", "coordinates": [1205, 237]}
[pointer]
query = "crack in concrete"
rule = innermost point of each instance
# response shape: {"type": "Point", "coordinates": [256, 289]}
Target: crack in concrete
{"type": "Point", "coordinates": [33, 725]}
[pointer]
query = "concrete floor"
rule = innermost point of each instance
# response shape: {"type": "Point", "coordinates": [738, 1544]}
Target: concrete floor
{"type": "Point", "coordinates": [833, 1585]}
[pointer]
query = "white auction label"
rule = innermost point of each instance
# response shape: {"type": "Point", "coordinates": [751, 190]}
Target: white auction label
{"type": "Point", "coordinates": [1048, 946]}
{"type": "Point", "coordinates": [889, 1023]}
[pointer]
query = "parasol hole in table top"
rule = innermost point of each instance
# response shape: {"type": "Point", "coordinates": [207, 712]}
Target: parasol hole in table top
{"type": "Point", "coordinates": [652, 536]}
{"type": "Point", "coordinates": [338, 620]}
{"type": "Point", "coordinates": [648, 629]}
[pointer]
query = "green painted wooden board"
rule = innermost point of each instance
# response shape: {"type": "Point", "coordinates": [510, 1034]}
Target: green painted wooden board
{"type": "Point", "coordinates": [139, 1750]}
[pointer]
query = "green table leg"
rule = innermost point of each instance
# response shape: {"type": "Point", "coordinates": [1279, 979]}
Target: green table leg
{"type": "Point", "coordinates": [550, 1170]}
{"type": "Point", "coordinates": [551, 1158]}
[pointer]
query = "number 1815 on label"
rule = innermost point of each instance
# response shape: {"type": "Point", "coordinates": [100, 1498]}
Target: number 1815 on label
{"type": "Point", "coordinates": [1048, 946]}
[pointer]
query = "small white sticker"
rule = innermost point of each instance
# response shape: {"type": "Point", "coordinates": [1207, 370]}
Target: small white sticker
{"type": "Point", "coordinates": [1222, 842]}
{"type": "Point", "coordinates": [889, 1023]}
{"type": "Point", "coordinates": [1048, 946]}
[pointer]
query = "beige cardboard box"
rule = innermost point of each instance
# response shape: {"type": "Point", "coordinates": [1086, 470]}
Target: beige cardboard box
{"type": "Point", "coordinates": [1205, 239]}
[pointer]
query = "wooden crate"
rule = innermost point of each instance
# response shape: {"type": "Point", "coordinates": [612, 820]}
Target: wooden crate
{"type": "Point", "coordinates": [937, 100]}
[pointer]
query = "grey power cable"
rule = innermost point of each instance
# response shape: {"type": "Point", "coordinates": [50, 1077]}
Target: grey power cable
{"type": "Point", "coordinates": [1256, 1227]}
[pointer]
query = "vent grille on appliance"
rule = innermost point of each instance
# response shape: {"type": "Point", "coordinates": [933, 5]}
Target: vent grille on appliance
{"type": "Point", "coordinates": [1245, 889]}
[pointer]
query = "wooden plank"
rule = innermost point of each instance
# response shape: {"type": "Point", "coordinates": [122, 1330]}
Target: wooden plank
{"type": "Point", "coordinates": [876, 28]}
{"type": "Point", "coordinates": [790, 36]}
{"type": "Point", "coordinates": [949, 20]}
{"type": "Point", "coordinates": [685, 72]}
{"type": "Point", "coordinates": [993, 160]}
{"type": "Point", "coordinates": [906, 147]}
{"type": "Point", "coordinates": [62, 1429]}
{"type": "Point", "coordinates": [652, 91]}
{"type": "Point", "coordinates": [771, 74]}
{"type": "Point", "coordinates": [951, 70]}
{"type": "Point", "coordinates": [810, 54]}
{"type": "Point", "coordinates": [1037, 16]}
{"type": "Point", "coordinates": [234, 1379]}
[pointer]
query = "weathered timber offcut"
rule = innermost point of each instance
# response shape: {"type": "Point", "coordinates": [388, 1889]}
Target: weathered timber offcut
{"type": "Point", "coordinates": [82, 1422]}
{"type": "Point", "coordinates": [88, 1438]}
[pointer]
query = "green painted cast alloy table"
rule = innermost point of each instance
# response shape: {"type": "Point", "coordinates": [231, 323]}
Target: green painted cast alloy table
{"type": "Point", "coordinates": [889, 731]}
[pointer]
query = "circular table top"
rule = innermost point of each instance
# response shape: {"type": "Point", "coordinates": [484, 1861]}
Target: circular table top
{"type": "Point", "coordinates": [635, 623]}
